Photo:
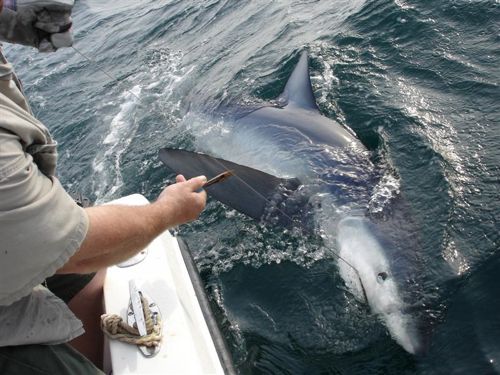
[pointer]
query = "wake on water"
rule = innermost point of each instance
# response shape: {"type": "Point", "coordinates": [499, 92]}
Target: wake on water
{"type": "Point", "coordinates": [125, 124]}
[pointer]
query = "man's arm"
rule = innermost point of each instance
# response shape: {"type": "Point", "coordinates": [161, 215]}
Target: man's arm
{"type": "Point", "coordinates": [116, 233]}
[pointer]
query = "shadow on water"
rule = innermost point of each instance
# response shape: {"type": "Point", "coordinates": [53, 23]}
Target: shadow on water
{"type": "Point", "coordinates": [467, 340]}
{"type": "Point", "coordinates": [301, 320]}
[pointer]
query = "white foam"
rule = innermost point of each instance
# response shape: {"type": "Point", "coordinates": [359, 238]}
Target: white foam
{"type": "Point", "coordinates": [121, 131]}
{"type": "Point", "coordinates": [387, 189]}
{"type": "Point", "coordinates": [159, 80]}
{"type": "Point", "coordinates": [121, 122]}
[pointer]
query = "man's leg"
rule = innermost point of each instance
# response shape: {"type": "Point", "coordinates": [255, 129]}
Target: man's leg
{"type": "Point", "coordinates": [84, 296]}
{"type": "Point", "coordinates": [44, 359]}
{"type": "Point", "coordinates": [87, 305]}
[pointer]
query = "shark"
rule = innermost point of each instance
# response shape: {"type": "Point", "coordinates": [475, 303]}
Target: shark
{"type": "Point", "coordinates": [344, 186]}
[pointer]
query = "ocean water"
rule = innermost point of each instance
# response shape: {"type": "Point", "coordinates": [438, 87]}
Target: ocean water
{"type": "Point", "coordinates": [417, 81]}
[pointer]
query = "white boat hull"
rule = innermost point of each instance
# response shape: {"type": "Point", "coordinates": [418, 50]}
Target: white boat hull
{"type": "Point", "coordinates": [188, 344]}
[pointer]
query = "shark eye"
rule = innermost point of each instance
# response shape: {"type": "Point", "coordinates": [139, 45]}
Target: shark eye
{"type": "Point", "coordinates": [382, 276]}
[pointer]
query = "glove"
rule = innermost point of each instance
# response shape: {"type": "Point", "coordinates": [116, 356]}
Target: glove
{"type": "Point", "coordinates": [44, 24]}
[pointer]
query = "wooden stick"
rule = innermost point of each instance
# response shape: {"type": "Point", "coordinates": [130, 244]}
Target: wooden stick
{"type": "Point", "coordinates": [219, 178]}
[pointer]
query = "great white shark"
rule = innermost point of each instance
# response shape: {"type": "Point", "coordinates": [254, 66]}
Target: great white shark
{"type": "Point", "coordinates": [368, 262]}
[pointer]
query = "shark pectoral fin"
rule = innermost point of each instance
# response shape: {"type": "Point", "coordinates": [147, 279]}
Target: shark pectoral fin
{"type": "Point", "coordinates": [249, 191]}
{"type": "Point", "coordinates": [298, 90]}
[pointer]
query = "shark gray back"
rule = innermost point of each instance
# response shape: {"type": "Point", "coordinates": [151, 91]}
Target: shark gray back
{"type": "Point", "coordinates": [256, 194]}
{"type": "Point", "coordinates": [296, 109]}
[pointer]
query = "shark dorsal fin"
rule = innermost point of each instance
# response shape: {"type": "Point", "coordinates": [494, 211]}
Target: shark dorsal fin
{"type": "Point", "coordinates": [298, 90]}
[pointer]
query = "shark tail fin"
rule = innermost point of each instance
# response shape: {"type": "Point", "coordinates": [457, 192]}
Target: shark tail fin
{"type": "Point", "coordinates": [250, 191]}
{"type": "Point", "coordinates": [298, 90]}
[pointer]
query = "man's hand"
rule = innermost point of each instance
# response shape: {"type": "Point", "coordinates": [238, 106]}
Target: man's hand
{"type": "Point", "coordinates": [44, 24]}
{"type": "Point", "coordinates": [183, 201]}
{"type": "Point", "coordinates": [116, 233]}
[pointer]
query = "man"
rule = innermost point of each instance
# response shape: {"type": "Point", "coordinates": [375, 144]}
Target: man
{"type": "Point", "coordinates": [44, 232]}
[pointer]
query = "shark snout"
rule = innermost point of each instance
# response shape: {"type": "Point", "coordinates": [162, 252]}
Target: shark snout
{"type": "Point", "coordinates": [367, 251]}
{"type": "Point", "coordinates": [403, 329]}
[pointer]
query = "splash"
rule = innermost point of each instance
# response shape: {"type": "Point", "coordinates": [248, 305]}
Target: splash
{"type": "Point", "coordinates": [121, 131]}
{"type": "Point", "coordinates": [383, 193]}
{"type": "Point", "coordinates": [161, 74]}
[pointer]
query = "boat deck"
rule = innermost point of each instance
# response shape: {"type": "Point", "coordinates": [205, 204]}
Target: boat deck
{"type": "Point", "coordinates": [187, 346]}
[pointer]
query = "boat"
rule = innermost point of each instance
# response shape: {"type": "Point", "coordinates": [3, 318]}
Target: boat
{"type": "Point", "coordinates": [166, 274]}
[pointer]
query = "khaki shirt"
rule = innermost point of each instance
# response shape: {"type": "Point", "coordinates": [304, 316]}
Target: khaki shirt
{"type": "Point", "coordinates": [41, 226]}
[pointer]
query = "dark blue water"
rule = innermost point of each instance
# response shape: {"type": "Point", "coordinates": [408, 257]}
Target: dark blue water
{"type": "Point", "coordinates": [417, 81]}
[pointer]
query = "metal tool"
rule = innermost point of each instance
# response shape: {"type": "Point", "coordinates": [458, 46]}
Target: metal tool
{"type": "Point", "coordinates": [135, 302]}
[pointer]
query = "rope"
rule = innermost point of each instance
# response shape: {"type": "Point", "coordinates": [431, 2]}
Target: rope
{"type": "Point", "coordinates": [115, 328]}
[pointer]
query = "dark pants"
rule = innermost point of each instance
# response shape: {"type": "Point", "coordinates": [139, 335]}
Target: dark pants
{"type": "Point", "coordinates": [50, 359]}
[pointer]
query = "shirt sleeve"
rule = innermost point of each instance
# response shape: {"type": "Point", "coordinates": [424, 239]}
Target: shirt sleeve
{"type": "Point", "coordinates": [41, 226]}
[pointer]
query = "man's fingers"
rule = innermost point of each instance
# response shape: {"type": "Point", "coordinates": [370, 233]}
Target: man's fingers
{"type": "Point", "coordinates": [61, 40]}
{"type": "Point", "coordinates": [197, 182]}
{"type": "Point", "coordinates": [61, 5]}
{"type": "Point", "coordinates": [53, 22]}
